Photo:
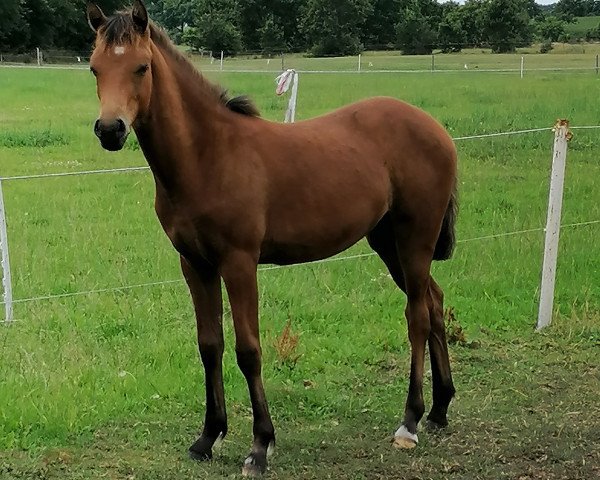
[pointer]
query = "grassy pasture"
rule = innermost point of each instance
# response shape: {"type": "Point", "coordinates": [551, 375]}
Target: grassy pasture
{"type": "Point", "coordinates": [563, 56]}
{"type": "Point", "coordinates": [109, 386]}
{"type": "Point", "coordinates": [582, 25]}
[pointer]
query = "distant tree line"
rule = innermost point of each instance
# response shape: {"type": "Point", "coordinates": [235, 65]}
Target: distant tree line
{"type": "Point", "coordinates": [320, 27]}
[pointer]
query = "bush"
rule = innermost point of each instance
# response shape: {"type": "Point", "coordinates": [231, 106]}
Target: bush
{"type": "Point", "coordinates": [215, 33]}
{"type": "Point", "coordinates": [337, 44]}
{"type": "Point", "coordinates": [546, 46]}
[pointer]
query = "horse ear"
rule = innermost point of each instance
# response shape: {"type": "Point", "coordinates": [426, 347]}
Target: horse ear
{"type": "Point", "coordinates": [95, 16]}
{"type": "Point", "coordinates": [139, 14]}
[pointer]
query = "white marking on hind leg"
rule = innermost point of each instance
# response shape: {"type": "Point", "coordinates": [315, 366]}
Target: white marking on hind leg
{"type": "Point", "coordinates": [271, 449]}
{"type": "Point", "coordinates": [404, 439]}
{"type": "Point", "coordinates": [218, 441]}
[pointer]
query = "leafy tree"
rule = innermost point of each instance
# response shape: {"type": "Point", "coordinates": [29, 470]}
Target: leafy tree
{"type": "Point", "coordinates": [173, 15]}
{"type": "Point", "coordinates": [214, 27]}
{"type": "Point", "coordinates": [286, 14]}
{"type": "Point", "coordinates": [324, 27]}
{"type": "Point", "coordinates": [573, 8]}
{"type": "Point", "coordinates": [534, 10]}
{"type": "Point", "coordinates": [69, 29]}
{"type": "Point", "coordinates": [14, 31]}
{"type": "Point", "coordinates": [252, 14]}
{"type": "Point", "coordinates": [472, 16]}
{"type": "Point", "coordinates": [379, 29]}
{"type": "Point", "coordinates": [334, 27]}
{"type": "Point", "coordinates": [593, 34]}
{"type": "Point", "coordinates": [550, 28]}
{"type": "Point", "coordinates": [271, 37]}
{"type": "Point", "coordinates": [506, 24]}
{"type": "Point", "coordinates": [214, 32]}
{"type": "Point", "coordinates": [37, 14]}
{"type": "Point", "coordinates": [417, 29]}
{"type": "Point", "coordinates": [451, 33]}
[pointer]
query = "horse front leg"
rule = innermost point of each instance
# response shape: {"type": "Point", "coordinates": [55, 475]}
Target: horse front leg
{"type": "Point", "coordinates": [205, 287]}
{"type": "Point", "coordinates": [239, 274]}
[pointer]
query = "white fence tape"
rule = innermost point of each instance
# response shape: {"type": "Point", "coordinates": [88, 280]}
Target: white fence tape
{"type": "Point", "coordinates": [284, 81]}
{"type": "Point", "coordinates": [144, 168]}
{"type": "Point", "coordinates": [278, 267]}
{"type": "Point", "coordinates": [353, 71]}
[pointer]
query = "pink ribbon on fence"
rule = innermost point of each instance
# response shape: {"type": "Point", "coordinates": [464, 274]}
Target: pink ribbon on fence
{"type": "Point", "coordinates": [284, 81]}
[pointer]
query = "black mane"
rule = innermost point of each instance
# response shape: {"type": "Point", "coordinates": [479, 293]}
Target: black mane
{"type": "Point", "coordinates": [242, 104]}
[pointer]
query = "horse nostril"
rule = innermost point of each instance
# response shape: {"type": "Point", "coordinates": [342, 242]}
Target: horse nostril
{"type": "Point", "coordinates": [97, 130]}
{"type": "Point", "coordinates": [121, 127]}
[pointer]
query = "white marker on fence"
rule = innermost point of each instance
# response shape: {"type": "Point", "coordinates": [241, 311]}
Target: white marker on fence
{"type": "Point", "coordinates": [359, 59]}
{"type": "Point", "coordinates": [221, 60]}
{"type": "Point", "coordinates": [6, 280]}
{"type": "Point", "coordinates": [39, 56]}
{"type": "Point", "coordinates": [557, 180]}
{"type": "Point", "coordinates": [522, 65]}
{"type": "Point", "coordinates": [287, 78]}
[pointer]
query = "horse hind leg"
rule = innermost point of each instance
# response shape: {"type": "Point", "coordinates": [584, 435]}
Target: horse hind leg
{"type": "Point", "coordinates": [443, 387]}
{"type": "Point", "coordinates": [409, 266]}
{"type": "Point", "coordinates": [383, 240]}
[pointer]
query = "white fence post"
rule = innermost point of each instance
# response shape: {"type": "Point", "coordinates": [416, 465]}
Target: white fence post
{"type": "Point", "coordinates": [221, 60]}
{"type": "Point", "coordinates": [522, 65]}
{"type": "Point", "coordinates": [557, 179]}
{"type": "Point", "coordinates": [39, 56]}
{"type": "Point", "coordinates": [291, 118]}
{"type": "Point", "coordinates": [6, 280]}
{"type": "Point", "coordinates": [284, 81]}
{"type": "Point", "coordinates": [359, 61]}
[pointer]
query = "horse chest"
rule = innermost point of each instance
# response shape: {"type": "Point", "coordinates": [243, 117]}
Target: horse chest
{"type": "Point", "coordinates": [183, 233]}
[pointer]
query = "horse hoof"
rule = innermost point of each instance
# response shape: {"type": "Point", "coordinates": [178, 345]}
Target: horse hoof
{"type": "Point", "coordinates": [404, 443]}
{"type": "Point", "coordinates": [200, 456]}
{"type": "Point", "coordinates": [252, 468]}
{"type": "Point", "coordinates": [201, 450]}
{"type": "Point", "coordinates": [404, 439]}
{"type": "Point", "coordinates": [251, 471]}
{"type": "Point", "coordinates": [434, 426]}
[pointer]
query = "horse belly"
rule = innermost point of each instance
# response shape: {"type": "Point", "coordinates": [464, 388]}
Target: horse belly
{"type": "Point", "coordinates": [309, 235]}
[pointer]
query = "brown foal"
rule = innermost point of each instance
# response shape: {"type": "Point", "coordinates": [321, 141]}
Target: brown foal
{"type": "Point", "coordinates": [234, 190]}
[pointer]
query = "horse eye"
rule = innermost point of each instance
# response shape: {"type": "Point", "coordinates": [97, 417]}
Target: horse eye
{"type": "Point", "coordinates": [94, 72]}
{"type": "Point", "coordinates": [142, 69]}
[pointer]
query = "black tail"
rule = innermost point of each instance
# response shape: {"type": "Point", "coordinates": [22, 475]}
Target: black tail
{"type": "Point", "coordinates": [447, 239]}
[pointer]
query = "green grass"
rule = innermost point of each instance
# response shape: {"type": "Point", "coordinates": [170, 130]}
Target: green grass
{"type": "Point", "coordinates": [582, 25]}
{"type": "Point", "coordinates": [108, 385]}
{"type": "Point", "coordinates": [565, 56]}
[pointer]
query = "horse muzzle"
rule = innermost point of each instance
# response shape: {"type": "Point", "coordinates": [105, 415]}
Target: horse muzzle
{"type": "Point", "coordinates": [111, 133]}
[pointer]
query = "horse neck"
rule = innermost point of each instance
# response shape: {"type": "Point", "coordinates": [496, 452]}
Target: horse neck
{"type": "Point", "coordinates": [178, 130]}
